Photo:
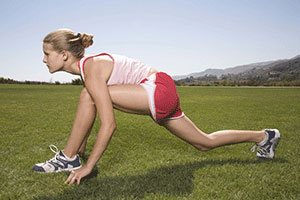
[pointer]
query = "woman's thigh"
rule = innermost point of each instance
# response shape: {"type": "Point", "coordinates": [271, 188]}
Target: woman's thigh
{"type": "Point", "coordinates": [185, 129]}
{"type": "Point", "coordinates": [130, 98]}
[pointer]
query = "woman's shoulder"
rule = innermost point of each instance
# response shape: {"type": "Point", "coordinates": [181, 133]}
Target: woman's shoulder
{"type": "Point", "coordinates": [98, 58]}
{"type": "Point", "coordinates": [101, 66]}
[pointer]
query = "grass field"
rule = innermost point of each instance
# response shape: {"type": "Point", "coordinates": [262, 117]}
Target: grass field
{"type": "Point", "coordinates": [143, 160]}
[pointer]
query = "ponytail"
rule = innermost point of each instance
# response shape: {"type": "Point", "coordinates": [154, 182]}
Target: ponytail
{"type": "Point", "coordinates": [64, 39]}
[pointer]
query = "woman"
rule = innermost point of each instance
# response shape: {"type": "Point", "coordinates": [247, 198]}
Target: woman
{"type": "Point", "coordinates": [114, 81]}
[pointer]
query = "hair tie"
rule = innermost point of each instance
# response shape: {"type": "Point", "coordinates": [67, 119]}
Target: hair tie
{"type": "Point", "coordinates": [78, 34]}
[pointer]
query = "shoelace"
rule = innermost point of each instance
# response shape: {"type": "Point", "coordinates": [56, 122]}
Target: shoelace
{"type": "Point", "coordinates": [55, 150]}
{"type": "Point", "coordinates": [261, 150]}
{"type": "Point", "coordinates": [254, 147]}
{"type": "Point", "coordinates": [53, 146]}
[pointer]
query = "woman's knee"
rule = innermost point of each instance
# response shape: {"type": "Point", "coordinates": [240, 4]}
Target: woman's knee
{"type": "Point", "coordinates": [209, 144]}
{"type": "Point", "coordinates": [85, 96]}
{"type": "Point", "coordinates": [202, 147]}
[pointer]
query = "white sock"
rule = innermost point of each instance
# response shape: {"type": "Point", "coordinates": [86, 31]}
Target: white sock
{"type": "Point", "coordinates": [70, 159]}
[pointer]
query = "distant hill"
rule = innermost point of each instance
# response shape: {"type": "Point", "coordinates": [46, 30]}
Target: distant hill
{"type": "Point", "coordinates": [285, 70]}
{"type": "Point", "coordinates": [239, 69]}
{"type": "Point", "coordinates": [274, 73]}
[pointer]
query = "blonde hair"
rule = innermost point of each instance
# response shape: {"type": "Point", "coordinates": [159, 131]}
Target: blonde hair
{"type": "Point", "coordinates": [64, 39]}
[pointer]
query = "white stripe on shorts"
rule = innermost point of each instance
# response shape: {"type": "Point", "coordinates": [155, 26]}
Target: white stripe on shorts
{"type": "Point", "coordinates": [150, 86]}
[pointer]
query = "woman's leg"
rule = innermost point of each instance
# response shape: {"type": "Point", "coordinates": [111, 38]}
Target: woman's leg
{"type": "Point", "coordinates": [82, 148]}
{"type": "Point", "coordinates": [130, 98]}
{"type": "Point", "coordinates": [83, 123]}
{"type": "Point", "coordinates": [134, 99]}
{"type": "Point", "coordinates": [185, 129]}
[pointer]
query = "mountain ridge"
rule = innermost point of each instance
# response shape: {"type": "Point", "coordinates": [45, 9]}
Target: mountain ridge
{"type": "Point", "coordinates": [237, 69]}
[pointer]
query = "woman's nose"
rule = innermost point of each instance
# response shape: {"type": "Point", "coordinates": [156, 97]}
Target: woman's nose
{"type": "Point", "coordinates": [45, 59]}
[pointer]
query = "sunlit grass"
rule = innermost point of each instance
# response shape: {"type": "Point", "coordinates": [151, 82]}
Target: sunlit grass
{"type": "Point", "coordinates": [143, 160]}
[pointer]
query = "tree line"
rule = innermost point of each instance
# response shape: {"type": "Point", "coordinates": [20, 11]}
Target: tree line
{"type": "Point", "coordinates": [3, 80]}
{"type": "Point", "coordinates": [228, 81]}
{"type": "Point", "coordinates": [208, 80]}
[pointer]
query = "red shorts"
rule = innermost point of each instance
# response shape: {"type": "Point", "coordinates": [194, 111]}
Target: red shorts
{"type": "Point", "coordinates": [162, 97]}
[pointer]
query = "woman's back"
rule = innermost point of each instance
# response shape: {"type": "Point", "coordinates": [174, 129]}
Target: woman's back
{"type": "Point", "coordinates": [125, 71]}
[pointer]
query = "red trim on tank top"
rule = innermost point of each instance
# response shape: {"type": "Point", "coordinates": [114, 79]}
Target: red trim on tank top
{"type": "Point", "coordinates": [101, 54]}
{"type": "Point", "coordinates": [79, 64]}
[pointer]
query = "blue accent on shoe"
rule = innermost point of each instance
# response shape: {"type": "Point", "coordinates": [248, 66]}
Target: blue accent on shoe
{"type": "Point", "coordinates": [38, 168]}
{"type": "Point", "coordinates": [58, 163]}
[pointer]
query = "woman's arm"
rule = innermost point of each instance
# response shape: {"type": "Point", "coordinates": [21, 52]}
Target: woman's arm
{"type": "Point", "coordinates": [97, 73]}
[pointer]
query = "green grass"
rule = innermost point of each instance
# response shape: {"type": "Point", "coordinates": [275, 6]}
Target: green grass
{"type": "Point", "coordinates": [143, 160]}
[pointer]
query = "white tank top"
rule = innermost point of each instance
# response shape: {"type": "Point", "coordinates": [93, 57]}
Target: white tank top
{"type": "Point", "coordinates": [126, 70]}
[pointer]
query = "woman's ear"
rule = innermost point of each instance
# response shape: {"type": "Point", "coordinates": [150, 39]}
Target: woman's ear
{"type": "Point", "coordinates": [65, 55]}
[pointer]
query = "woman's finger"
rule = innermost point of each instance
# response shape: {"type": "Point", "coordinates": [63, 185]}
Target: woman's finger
{"type": "Point", "coordinates": [69, 178]}
{"type": "Point", "coordinates": [78, 181]}
{"type": "Point", "coordinates": [73, 179]}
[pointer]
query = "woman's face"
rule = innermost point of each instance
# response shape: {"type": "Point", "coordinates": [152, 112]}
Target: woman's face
{"type": "Point", "coordinates": [53, 59]}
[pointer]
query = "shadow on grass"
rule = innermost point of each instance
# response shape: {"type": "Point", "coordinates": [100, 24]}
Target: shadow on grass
{"type": "Point", "coordinates": [176, 180]}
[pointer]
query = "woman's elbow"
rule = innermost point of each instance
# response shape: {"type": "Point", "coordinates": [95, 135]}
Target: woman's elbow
{"type": "Point", "coordinates": [111, 126]}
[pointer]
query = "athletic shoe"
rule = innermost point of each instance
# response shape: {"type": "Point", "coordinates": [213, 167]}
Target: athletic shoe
{"type": "Point", "coordinates": [266, 148]}
{"type": "Point", "coordinates": [58, 163]}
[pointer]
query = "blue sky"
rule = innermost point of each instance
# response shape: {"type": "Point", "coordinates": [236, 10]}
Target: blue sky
{"type": "Point", "coordinates": [178, 37]}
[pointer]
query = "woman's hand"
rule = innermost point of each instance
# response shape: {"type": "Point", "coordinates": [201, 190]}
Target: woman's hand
{"type": "Point", "coordinates": [77, 175]}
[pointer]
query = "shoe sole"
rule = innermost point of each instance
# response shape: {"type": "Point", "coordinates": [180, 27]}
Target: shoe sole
{"type": "Point", "coordinates": [61, 170]}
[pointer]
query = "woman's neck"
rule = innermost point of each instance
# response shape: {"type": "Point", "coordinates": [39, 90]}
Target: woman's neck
{"type": "Point", "coordinates": [71, 66]}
